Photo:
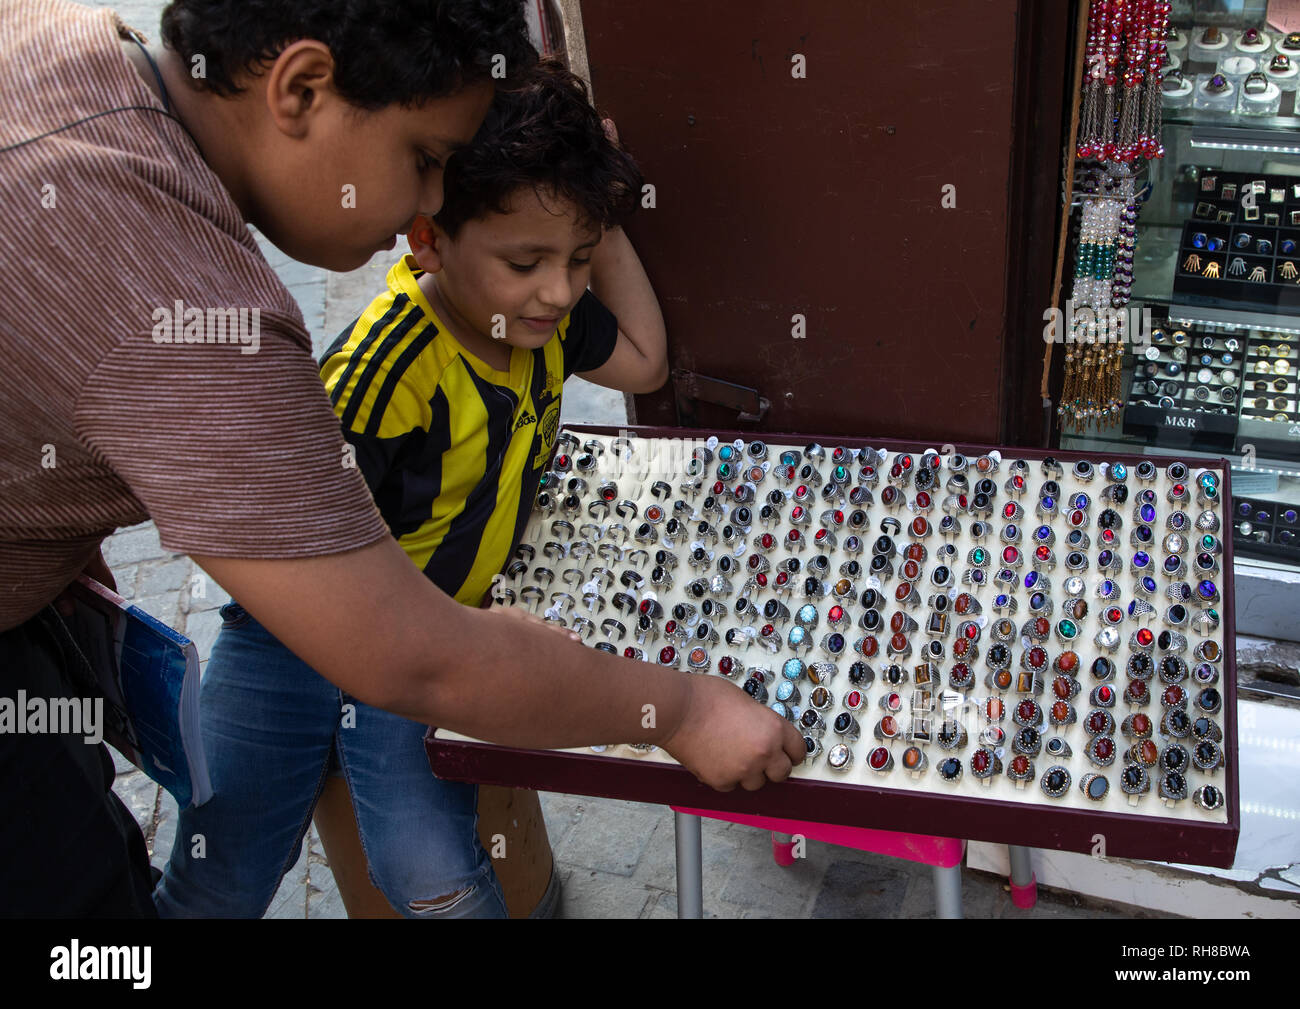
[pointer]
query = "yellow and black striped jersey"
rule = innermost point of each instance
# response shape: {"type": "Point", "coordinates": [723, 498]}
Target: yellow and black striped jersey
{"type": "Point", "coordinates": [451, 448]}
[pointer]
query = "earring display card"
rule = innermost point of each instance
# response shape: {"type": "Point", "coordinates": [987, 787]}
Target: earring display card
{"type": "Point", "coordinates": [998, 645]}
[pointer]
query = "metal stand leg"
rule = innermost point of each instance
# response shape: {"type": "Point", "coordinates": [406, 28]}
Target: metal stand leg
{"type": "Point", "coordinates": [1024, 887]}
{"type": "Point", "coordinates": [947, 891]}
{"type": "Point", "coordinates": [690, 866]}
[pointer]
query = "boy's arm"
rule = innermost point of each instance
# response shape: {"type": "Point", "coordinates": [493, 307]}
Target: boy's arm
{"type": "Point", "coordinates": [372, 623]}
{"type": "Point", "coordinates": [640, 359]}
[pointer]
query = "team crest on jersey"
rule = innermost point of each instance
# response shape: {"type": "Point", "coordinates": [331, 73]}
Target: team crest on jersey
{"type": "Point", "coordinates": [548, 428]}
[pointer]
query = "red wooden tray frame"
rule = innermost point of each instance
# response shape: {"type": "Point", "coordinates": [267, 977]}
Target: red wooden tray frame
{"type": "Point", "coordinates": [1038, 825]}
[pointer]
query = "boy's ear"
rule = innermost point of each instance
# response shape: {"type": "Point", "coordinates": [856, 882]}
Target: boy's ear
{"type": "Point", "coordinates": [423, 238]}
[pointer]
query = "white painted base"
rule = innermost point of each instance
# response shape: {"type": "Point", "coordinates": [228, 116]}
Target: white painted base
{"type": "Point", "coordinates": [1268, 852]}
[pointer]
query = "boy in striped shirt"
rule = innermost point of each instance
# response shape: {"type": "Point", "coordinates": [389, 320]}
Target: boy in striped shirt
{"type": "Point", "coordinates": [448, 389]}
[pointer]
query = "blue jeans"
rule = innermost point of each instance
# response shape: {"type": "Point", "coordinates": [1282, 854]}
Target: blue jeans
{"type": "Point", "coordinates": [270, 726]}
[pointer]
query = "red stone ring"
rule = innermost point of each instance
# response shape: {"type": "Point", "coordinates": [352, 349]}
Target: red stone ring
{"type": "Point", "coordinates": [1027, 712]}
{"type": "Point", "coordinates": [1102, 696]}
{"type": "Point", "coordinates": [984, 763]}
{"type": "Point", "coordinates": [1137, 726]}
{"type": "Point", "coordinates": [1099, 723]}
{"type": "Point", "coordinates": [1101, 751]}
{"type": "Point", "coordinates": [1021, 768]}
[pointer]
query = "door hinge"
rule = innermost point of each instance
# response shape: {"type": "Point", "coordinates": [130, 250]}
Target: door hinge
{"type": "Point", "coordinates": [692, 388]}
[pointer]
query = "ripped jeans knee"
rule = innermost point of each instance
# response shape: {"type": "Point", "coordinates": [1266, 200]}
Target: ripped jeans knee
{"type": "Point", "coordinates": [480, 897]}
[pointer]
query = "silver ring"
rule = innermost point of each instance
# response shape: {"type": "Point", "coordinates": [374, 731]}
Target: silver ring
{"type": "Point", "coordinates": [580, 551]}
{"type": "Point", "coordinates": [627, 509]}
{"type": "Point", "coordinates": [530, 595]}
{"type": "Point", "coordinates": [880, 760]}
{"type": "Point", "coordinates": [598, 509]}
{"type": "Point", "coordinates": [1005, 604]}
{"type": "Point", "coordinates": [609, 625]}
{"type": "Point", "coordinates": [562, 528]}
{"type": "Point", "coordinates": [1055, 781]}
{"type": "Point", "coordinates": [846, 727]}
{"type": "Point", "coordinates": [1107, 639]}
{"type": "Point", "coordinates": [573, 576]}
{"type": "Point", "coordinates": [1171, 641]}
{"type": "Point", "coordinates": [1139, 608]}
{"type": "Point", "coordinates": [1058, 748]}
{"type": "Point", "coordinates": [720, 586]}
{"type": "Point", "coordinates": [610, 553]}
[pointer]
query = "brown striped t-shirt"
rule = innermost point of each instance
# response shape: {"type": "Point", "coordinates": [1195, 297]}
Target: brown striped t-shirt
{"type": "Point", "coordinates": [133, 386]}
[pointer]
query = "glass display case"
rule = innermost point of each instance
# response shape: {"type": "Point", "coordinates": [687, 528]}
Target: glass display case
{"type": "Point", "coordinates": [1210, 368]}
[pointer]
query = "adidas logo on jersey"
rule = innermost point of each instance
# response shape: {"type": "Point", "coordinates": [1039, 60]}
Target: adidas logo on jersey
{"type": "Point", "coordinates": [526, 419]}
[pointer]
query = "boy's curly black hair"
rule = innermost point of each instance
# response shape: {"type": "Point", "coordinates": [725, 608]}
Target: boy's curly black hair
{"type": "Point", "coordinates": [385, 53]}
{"type": "Point", "coordinates": [545, 135]}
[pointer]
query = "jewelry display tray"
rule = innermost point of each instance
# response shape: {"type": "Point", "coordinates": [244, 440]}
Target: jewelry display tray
{"type": "Point", "coordinates": [968, 808]}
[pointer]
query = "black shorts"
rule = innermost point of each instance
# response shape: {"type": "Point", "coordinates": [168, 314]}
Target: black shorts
{"type": "Point", "coordinates": [68, 846]}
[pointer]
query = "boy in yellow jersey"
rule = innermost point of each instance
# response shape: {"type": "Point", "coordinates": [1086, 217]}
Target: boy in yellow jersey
{"type": "Point", "coordinates": [448, 390]}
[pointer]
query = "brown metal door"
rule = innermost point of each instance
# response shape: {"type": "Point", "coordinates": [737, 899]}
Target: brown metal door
{"type": "Point", "coordinates": [800, 154]}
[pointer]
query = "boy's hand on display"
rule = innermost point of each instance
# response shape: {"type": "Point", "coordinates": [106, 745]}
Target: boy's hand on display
{"type": "Point", "coordinates": [727, 739]}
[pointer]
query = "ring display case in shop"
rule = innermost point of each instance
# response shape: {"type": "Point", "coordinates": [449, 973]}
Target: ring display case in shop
{"type": "Point", "coordinates": [989, 648]}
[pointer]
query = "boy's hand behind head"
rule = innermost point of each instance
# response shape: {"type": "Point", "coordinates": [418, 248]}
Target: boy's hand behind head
{"type": "Point", "coordinates": [330, 121]}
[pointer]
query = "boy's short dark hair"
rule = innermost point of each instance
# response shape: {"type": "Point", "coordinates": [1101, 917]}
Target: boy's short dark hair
{"type": "Point", "coordinates": [385, 53]}
{"type": "Point", "coordinates": [543, 134]}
